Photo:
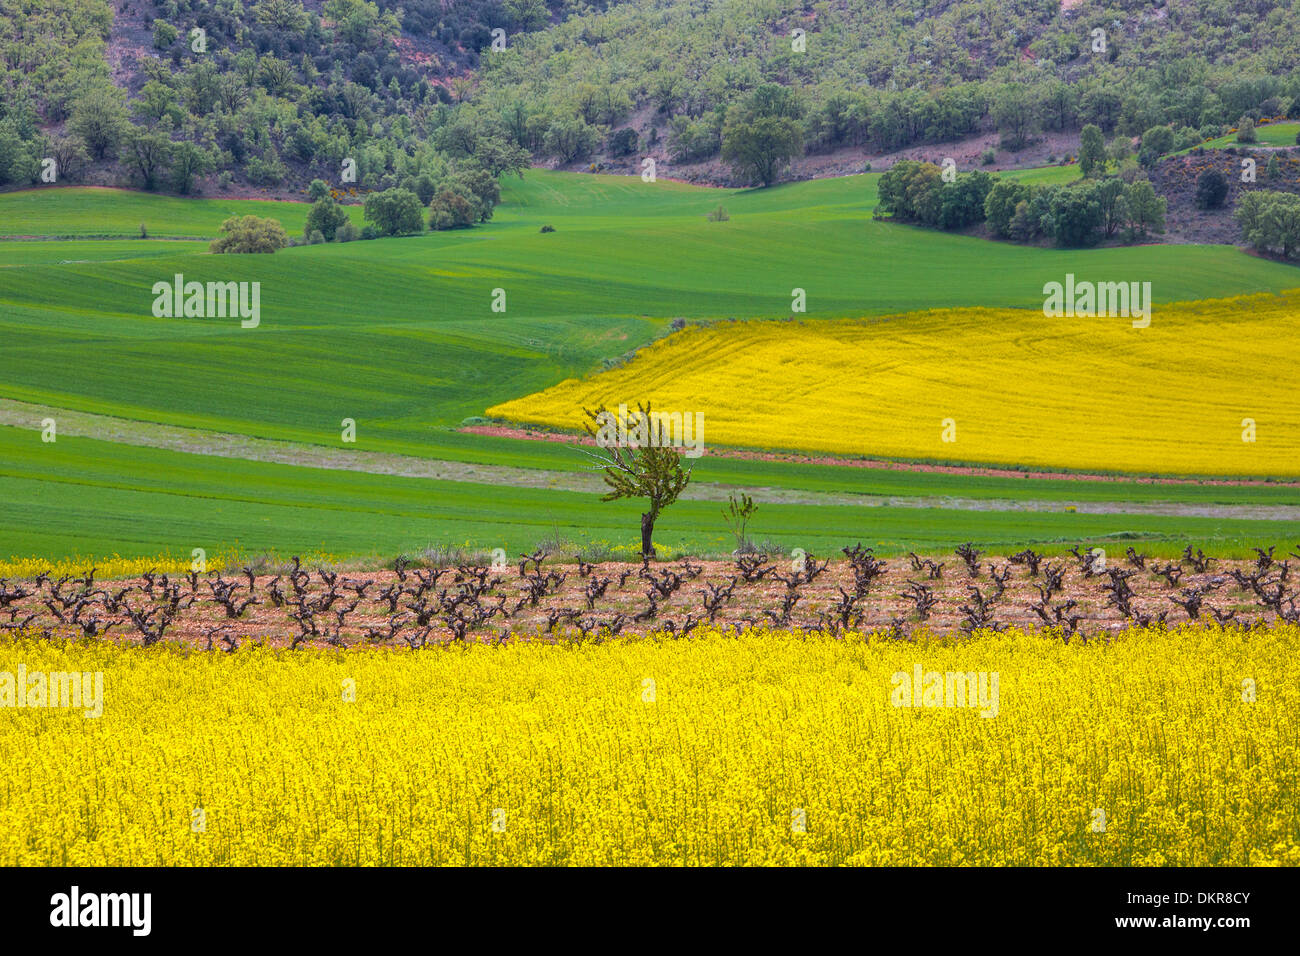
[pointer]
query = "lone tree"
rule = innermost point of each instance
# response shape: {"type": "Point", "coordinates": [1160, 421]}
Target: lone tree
{"type": "Point", "coordinates": [395, 212]}
{"type": "Point", "coordinates": [637, 464]}
{"type": "Point", "coordinates": [1092, 150]}
{"type": "Point", "coordinates": [763, 133]}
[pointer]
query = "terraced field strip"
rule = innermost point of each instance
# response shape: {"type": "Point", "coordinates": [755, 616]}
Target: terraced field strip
{"type": "Point", "coordinates": [224, 445]}
{"type": "Point", "coordinates": [85, 497]}
{"type": "Point", "coordinates": [1269, 135]}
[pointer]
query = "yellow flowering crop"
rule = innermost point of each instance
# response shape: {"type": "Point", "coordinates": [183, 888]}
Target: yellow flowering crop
{"type": "Point", "coordinates": [1158, 748]}
{"type": "Point", "coordinates": [106, 568]}
{"type": "Point", "coordinates": [1019, 388]}
{"type": "Point", "coordinates": [115, 567]}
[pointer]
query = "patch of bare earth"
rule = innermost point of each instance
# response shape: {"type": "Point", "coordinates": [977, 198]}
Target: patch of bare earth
{"type": "Point", "coordinates": [967, 152]}
{"type": "Point", "coordinates": [523, 432]}
{"type": "Point", "coordinates": [569, 602]}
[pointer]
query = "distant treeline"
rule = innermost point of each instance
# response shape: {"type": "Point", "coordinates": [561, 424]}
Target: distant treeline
{"type": "Point", "coordinates": [269, 94]}
{"type": "Point", "coordinates": [1099, 207]}
{"type": "Point", "coordinates": [273, 94]}
{"type": "Point", "coordinates": [887, 76]}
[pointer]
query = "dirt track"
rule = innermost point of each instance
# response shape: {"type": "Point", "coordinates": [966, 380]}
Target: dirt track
{"type": "Point", "coordinates": [226, 445]}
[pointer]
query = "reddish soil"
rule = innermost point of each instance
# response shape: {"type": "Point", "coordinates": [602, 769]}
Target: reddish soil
{"type": "Point", "coordinates": [564, 613]}
{"type": "Point", "coordinates": [522, 432]}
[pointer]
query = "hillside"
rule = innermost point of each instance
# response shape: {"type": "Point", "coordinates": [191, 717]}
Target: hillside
{"type": "Point", "coordinates": [873, 77]}
{"type": "Point", "coordinates": [1018, 388]}
{"type": "Point", "coordinates": [195, 96]}
{"type": "Point", "coordinates": [169, 433]}
{"type": "Point", "coordinates": [273, 96]}
{"type": "Point", "coordinates": [1176, 179]}
{"type": "Point", "coordinates": [426, 351]}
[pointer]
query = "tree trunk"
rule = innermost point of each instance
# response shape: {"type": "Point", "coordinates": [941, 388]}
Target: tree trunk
{"type": "Point", "coordinates": [647, 533]}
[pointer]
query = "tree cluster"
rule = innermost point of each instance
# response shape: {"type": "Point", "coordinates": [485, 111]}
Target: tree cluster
{"type": "Point", "coordinates": [1080, 214]}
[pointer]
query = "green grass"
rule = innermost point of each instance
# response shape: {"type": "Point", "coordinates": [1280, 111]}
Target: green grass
{"type": "Point", "coordinates": [76, 251]}
{"type": "Point", "coordinates": [1044, 175]}
{"type": "Point", "coordinates": [399, 335]}
{"type": "Point", "coordinates": [95, 211]}
{"type": "Point", "coordinates": [80, 496]}
{"type": "Point", "coordinates": [1274, 134]}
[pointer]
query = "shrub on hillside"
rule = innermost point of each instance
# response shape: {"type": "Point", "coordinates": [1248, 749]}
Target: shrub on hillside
{"type": "Point", "coordinates": [453, 207]}
{"type": "Point", "coordinates": [1092, 150]}
{"type": "Point", "coordinates": [326, 217]}
{"type": "Point", "coordinates": [164, 34]}
{"type": "Point", "coordinates": [249, 234]}
{"type": "Point", "coordinates": [690, 140]}
{"type": "Point", "coordinates": [266, 170]}
{"type": "Point", "coordinates": [763, 133]}
{"type": "Point", "coordinates": [1211, 189]}
{"type": "Point", "coordinates": [1014, 116]}
{"type": "Point", "coordinates": [623, 142]}
{"type": "Point", "coordinates": [1146, 210]}
{"type": "Point", "coordinates": [394, 212]}
{"type": "Point", "coordinates": [1158, 140]}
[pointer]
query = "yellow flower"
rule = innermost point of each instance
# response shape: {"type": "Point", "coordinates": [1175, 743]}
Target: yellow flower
{"type": "Point", "coordinates": [770, 748]}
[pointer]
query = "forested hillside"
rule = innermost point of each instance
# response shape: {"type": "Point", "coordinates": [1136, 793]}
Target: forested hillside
{"type": "Point", "coordinates": [267, 95]}
{"type": "Point", "coordinates": [889, 75]}
{"type": "Point", "coordinates": [221, 96]}
{"type": "Point", "coordinates": [757, 91]}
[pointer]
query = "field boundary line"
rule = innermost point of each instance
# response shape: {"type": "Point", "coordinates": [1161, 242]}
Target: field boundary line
{"type": "Point", "coordinates": [28, 415]}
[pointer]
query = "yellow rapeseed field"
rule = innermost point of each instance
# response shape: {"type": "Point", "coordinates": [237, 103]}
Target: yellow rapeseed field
{"type": "Point", "coordinates": [116, 567]}
{"type": "Point", "coordinates": [106, 568]}
{"type": "Point", "coordinates": [1019, 388]}
{"type": "Point", "coordinates": [766, 748]}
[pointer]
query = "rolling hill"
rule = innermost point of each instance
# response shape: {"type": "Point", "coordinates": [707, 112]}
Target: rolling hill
{"type": "Point", "coordinates": [399, 335]}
